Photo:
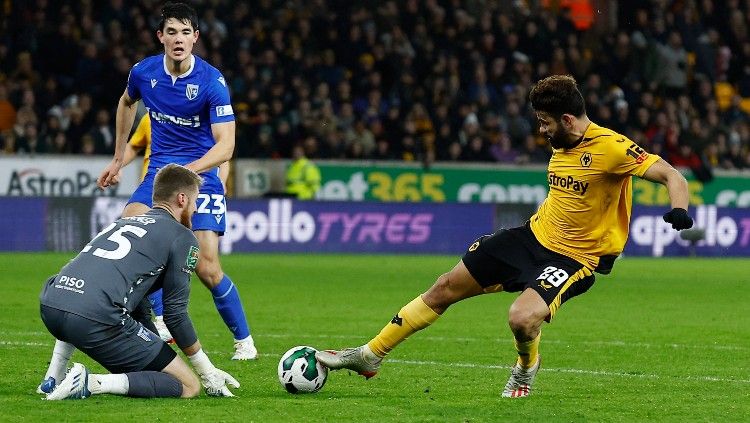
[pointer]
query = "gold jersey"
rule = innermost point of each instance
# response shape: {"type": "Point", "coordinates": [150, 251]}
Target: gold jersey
{"type": "Point", "coordinates": [142, 138]}
{"type": "Point", "coordinates": [586, 215]}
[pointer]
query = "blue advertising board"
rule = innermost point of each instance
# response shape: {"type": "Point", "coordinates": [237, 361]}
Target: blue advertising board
{"type": "Point", "coordinates": [22, 223]}
{"type": "Point", "coordinates": [287, 225]}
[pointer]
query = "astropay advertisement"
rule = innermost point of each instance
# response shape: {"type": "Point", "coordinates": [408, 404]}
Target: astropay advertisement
{"type": "Point", "coordinates": [62, 176]}
{"type": "Point", "coordinates": [285, 225]}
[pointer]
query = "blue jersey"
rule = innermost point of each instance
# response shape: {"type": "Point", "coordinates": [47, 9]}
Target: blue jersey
{"type": "Point", "coordinates": [182, 110]}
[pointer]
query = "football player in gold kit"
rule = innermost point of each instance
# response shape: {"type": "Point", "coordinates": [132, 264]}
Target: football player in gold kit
{"type": "Point", "coordinates": [579, 229]}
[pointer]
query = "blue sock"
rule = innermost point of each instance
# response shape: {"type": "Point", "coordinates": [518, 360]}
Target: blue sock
{"type": "Point", "coordinates": [228, 303]}
{"type": "Point", "coordinates": [155, 299]}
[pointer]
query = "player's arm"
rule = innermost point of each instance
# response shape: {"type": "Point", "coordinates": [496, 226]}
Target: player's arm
{"type": "Point", "coordinates": [677, 186]}
{"type": "Point", "coordinates": [131, 152]}
{"type": "Point", "coordinates": [176, 292]}
{"type": "Point", "coordinates": [221, 151]}
{"type": "Point", "coordinates": [663, 173]}
{"type": "Point", "coordinates": [224, 169]}
{"type": "Point", "coordinates": [176, 285]}
{"type": "Point", "coordinates": [124, 118]}
{"type": "Point", "coordinates": [138, 141]}
{"type": "Point", "coordinates": [221, 116]}
{"type": "Point", "coordinates": [142, 315]}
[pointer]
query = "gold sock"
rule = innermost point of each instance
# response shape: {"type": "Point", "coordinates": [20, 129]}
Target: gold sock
{"type": "Point", "coordinates": [412, 317]}
{"type": "Point", "coordinates": [528, 351]}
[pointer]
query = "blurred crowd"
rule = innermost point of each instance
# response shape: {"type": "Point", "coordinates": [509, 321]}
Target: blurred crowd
{"type": "Point", "coordinates": [415, 80]}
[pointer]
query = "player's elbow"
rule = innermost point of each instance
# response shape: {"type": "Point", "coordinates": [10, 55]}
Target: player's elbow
{"type": "Point", "coordinates": [126, 101]}
{"type": "Point", "coordinates": [673, 178]}
{"type": "Point", "coordinates": [227, 155]}
{"type": "Point", "coordinates": [228, 151]}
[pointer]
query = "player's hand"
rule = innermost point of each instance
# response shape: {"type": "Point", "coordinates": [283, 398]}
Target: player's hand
{"type": "Point", "coordinates": [109, 175]}
{"type": "Point", "coordinates": [678, 218]}
{"type": "Point", "coordinates": [215, 382]}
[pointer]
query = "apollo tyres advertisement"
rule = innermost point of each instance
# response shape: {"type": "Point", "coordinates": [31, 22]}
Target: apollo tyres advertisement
{"type": "Point", "coordinates": [284, 225]}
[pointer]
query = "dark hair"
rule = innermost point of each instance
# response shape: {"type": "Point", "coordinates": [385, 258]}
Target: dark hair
{"type": "Point", "coordinates": [558, 95]}
{"type": "Point", "coordinates": [173, 179]}
{"type": "Point", "coordinates": [180, 11]}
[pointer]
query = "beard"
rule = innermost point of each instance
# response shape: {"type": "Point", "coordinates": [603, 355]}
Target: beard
{"type": "Point", "coordinates": [559, 139]}
{"type": "Point", "coordinates": [186, 219]}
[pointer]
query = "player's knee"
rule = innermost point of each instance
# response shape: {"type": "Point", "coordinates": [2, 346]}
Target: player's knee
{"type": "Point", "coordinates": [523, 320]}
{"type": "Point", "coordinates": [190, 391]}
{"type": "Point", "coordinates": [191, 388]}
{"type": "Point", "coordinates": [442, 294]}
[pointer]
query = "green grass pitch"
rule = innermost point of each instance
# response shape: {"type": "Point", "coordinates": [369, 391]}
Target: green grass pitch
{"type": "Point", "coordinates": [658, 340]}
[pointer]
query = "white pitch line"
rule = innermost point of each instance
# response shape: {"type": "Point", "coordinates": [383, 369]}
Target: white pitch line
{"type": "Point", "coordinates": [576, 371]}
{"type": "Point", "coordinates": [509, 341]}
{"type": "Point", "coordinates": [469, 365]}
{"type": "Point", "coordinates": [614, 343]}
{"type": "Point", "coordinates": [556, 370]}
{"type": "Point", "coordinates": [25, 344]}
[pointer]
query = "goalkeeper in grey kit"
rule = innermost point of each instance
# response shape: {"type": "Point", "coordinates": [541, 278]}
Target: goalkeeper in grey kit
{"type": "Point", "coordinates": [98, 303]}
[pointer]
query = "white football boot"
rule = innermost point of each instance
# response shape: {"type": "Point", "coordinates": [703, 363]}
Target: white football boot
{"type": "Point", "coordinates": [74, 386]}
{"type": "Point", "coordinates": [361, 360]}
{"type": "Point", "coordinates": [245, 349]}
{"type": "Point", "coordinates": [519, 384]}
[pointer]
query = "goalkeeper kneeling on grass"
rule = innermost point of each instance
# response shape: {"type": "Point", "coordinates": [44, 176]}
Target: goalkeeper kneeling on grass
{"type": "Point", "coordinates": [98, 304]}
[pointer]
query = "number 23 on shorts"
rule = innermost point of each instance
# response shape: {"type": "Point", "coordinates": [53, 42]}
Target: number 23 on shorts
{"type": "Point", "coordinates": [211, 203]}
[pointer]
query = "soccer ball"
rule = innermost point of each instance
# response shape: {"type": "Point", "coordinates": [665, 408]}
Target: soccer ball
{"type": "Point", "coordinates": [300, 372]}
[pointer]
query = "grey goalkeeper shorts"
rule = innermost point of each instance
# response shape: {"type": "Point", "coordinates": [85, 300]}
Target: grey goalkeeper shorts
{"type": "Point", "coordinates": [129, 347]}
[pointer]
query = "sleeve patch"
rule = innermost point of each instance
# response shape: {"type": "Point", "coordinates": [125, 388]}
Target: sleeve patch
{"type": "Point", "coordinates": [192, 258]}
{"type": "Point", "coordinates": [636, 153]}
{"type": "Point", "coordinates": [225, 110]}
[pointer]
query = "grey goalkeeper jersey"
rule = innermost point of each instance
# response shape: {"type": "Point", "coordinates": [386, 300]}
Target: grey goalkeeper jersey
{"type": "Point", "coordinates": [129, 259]}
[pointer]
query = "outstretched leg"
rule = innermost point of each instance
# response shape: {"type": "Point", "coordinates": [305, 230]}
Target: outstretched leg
{"type": "Point", "coordinates": [451, 287]}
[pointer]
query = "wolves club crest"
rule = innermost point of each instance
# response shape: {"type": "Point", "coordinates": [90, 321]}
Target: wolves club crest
{"type": "Point", "coordinates": [191, 91]}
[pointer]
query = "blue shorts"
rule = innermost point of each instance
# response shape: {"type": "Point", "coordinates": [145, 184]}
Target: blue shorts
{"type": "Point", "coordinates": [211, 205]}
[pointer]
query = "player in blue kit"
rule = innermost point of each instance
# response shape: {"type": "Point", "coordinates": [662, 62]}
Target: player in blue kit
{"type": "Point", "coordinates": [192, 124]}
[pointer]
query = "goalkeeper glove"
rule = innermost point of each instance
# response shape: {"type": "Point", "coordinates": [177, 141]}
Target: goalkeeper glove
{"type": "Point", "coordinates": [678, 218]}
{"type": "Point", "coordinates": [213, 380]}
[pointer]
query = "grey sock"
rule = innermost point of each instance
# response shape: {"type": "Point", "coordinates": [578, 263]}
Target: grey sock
{"type": "Point", "coordinates": [151, 384]}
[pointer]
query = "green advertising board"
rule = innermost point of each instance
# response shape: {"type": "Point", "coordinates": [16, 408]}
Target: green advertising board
{"type": "Point", "coordinates": [384, 182]}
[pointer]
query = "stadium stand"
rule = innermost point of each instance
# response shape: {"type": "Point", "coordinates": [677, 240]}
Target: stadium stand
{"type": "Point", "coordinates": [395, 80]}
